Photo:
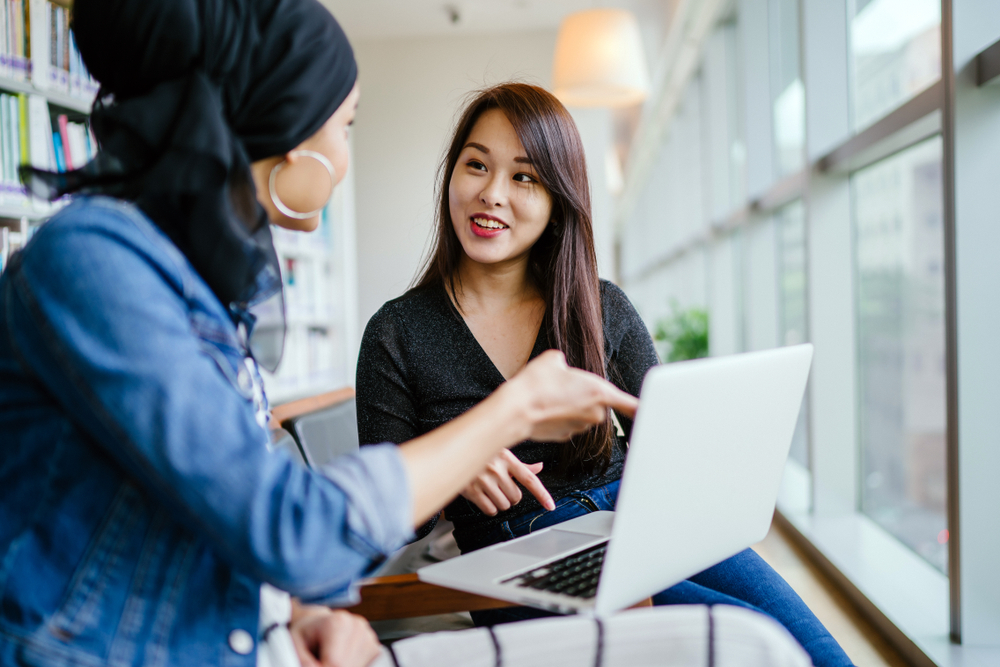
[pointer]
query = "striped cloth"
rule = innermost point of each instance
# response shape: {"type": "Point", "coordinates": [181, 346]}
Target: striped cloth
{"type": "Point", "coordinates": [675, 636]}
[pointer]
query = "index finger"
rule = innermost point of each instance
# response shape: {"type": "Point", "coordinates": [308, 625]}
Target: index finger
{"type": "Point", "coordinates": [621, 401]}
{"type": "Point", "coordinates": [530, 481]}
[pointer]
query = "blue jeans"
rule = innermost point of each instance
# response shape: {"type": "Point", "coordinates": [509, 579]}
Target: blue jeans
{"type": "Point", "coordinates": [744, 580]}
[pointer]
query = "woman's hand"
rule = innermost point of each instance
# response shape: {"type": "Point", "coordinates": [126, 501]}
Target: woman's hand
{"type": "Point", "coordinates": [559, 402]}
{"type": "Point", "coordinates": [325, 637]}
{"type": "Point", "coordinates": [495, 490]}
{"type": "Point", "coordinates": [546, 402]}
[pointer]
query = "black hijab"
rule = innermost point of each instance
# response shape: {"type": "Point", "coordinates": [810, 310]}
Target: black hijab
{"type": "Point", "coordinates": [191, 92]}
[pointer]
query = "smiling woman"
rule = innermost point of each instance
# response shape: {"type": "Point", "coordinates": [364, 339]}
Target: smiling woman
{"type": "Point", "coordinates": [514, 211]}
{"type": "Point", "coordinates": [513, 273]}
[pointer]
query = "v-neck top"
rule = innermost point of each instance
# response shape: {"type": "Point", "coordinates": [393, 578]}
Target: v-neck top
{"type": "Point", "coordinates": [420, 366]}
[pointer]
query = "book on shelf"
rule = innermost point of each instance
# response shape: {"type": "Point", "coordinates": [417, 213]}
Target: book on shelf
{"type": "Point", "coordinates": [309, 365]}
{"type": "Point", "coordinates": [37, 46]}
{"type": "Point", "coordinates": [23, 129]}
{"type": "Point", "coordinates": [14, 42]}
{"type": "Point", "coordinates": [308, 298]}
{"type": "Point", "coordinates": [307, 242]}
{"type": "Point", "coordinates": [320, 359]}
{"type": "Point", "coordinates": [76, 145]}
{"type": "Point", "coordinates": [11, 241]}
{"type": "Point", "coordinates": [29, 134]}
{"type": "Point", "coordinates": [315, 355]}
{"type": "Point", "coordinates": [4, 247]}
{"type": "Point", "coordinates": [39, 148]}
{"type": "Point", "coordinates": [307, 271]}
{"type": "Point", "coordinates": [53, 61]}
{"type": "Point", "coordinates": [14, 149]}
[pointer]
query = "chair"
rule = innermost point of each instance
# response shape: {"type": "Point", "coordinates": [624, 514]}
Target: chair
{"type": "Point", "coordinates": [324, 427]}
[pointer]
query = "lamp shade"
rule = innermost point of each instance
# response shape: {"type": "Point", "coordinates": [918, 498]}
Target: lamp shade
{"type": "Point", "coordinates": [600, 60]}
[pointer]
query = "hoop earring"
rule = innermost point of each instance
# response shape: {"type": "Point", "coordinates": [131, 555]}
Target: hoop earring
{"type": "Point", "coordinates": [276, 200]}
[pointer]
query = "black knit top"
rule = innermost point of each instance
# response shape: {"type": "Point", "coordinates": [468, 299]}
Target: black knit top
{"type": "Point", "coordinates": [420, 366]}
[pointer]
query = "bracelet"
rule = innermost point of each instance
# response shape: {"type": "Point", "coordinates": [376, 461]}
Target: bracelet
{"type": "Point", "coordinates": [267, 631]}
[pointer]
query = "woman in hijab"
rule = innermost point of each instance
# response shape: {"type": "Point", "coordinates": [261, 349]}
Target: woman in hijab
{"type": "Point", "coordinates": [142, 519]}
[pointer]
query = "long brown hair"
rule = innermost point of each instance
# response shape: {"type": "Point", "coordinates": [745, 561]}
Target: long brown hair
{"type": "Point", "coordinates": [562, 263]}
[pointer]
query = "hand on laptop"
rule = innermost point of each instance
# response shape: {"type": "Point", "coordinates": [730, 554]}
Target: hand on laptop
{"type": "Point", "coordinates": [495, 490]}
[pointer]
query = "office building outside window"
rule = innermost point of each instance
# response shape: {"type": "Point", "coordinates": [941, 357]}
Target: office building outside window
{"type": "Point", "coordinates": [899, 255]}
{"type": "Point", "coordinates": [895, 54]}
{"type": "Point", "coordinates": [791, 236]}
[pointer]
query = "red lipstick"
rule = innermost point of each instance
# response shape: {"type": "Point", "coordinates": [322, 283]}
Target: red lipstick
{"type": "Point", "coordinates": [484, 231]}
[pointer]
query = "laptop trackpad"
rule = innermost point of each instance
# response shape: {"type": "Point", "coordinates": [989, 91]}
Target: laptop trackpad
{"type": "Point", "coordinates": [548, 543]}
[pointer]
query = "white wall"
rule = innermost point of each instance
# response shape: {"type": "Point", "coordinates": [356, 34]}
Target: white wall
{"type": "Point", "coordinates": [411, 92]}
{"type": "Point", "coordinates": [596, 131]}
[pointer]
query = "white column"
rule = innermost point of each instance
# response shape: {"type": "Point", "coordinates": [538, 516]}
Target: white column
{"type": "Point", "coordinates": [977, 231]}
{"type": "Point", "coordinates": [831, 329]}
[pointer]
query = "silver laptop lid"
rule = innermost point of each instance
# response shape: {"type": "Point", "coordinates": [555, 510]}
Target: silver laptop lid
{"type": "Point", "coordinates": [708, 450]}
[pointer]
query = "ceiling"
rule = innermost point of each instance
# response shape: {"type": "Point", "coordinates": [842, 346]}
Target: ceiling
{"type": "Point", "coordinates": [365, 19]}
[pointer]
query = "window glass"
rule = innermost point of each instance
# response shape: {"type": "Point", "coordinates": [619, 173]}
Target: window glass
{"type": "Point", "coordinates": [723, 149]}
{"type": "Point", "coordinates": [899, 255]}
{"type": "Point", "coordinates": [788, 95]}
{"type": "Point", "coordinates": [734, 110]}
{"type": "Point", "coordinates": [792, 329]}
{"type": "Point", "coordinates": [896, 53]}
{"type": "Point", "coordinates": [740, 272]}
{"type": "Point", "coordinates": [760, 299]}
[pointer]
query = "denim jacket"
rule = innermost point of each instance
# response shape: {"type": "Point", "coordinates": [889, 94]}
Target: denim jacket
{"type": "Point", "coordinates": [140, 510]}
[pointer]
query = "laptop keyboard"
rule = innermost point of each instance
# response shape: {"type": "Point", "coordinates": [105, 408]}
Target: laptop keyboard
{"type": "Point", "coordinates": [575, 575]}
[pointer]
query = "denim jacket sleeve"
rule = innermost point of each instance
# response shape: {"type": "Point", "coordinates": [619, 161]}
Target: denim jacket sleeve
{"type": "Point", "coordinates": [100, 315]}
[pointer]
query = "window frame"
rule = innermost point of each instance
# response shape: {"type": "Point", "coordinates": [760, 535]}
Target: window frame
{"type": "Point", "coordinates": [834, 151]}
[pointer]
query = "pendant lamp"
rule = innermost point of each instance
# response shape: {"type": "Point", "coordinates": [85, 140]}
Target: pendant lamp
{"type": "Point", "coordinates": [599, 60]}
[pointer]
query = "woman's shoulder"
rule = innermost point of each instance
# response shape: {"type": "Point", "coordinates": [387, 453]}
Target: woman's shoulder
{"type": "Point", "coordinates": [100, 214]}
{"type": "Point", "coordinates": [112, 229]}
{"type": "Point", "coordinates": [416, 309]}
{"type": "Point", "coordinates": [616, 305]}
{"type": "Point", "coordinates": [612, 296]}
{"type": "Point", "coordinates": [619, 315]}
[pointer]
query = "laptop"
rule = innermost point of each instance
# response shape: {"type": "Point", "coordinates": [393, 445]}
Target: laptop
{"type": "Point", "coordinates": [705, 462]}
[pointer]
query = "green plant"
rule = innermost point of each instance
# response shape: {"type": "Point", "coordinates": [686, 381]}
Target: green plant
{"type": "Point", "coordinates": [685, 332]}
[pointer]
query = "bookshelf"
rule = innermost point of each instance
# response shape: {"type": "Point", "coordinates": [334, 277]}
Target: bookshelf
{"type": "Point", "coordinates": [45, 99]}
{"type": "Point", "coordinates": [65, 101]}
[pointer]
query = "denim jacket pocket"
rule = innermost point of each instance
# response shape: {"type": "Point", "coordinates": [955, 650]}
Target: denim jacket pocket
{"type": "Point", "coordinates": [35, 655]}
{"type": "Point", "coordinates": [99, 574]}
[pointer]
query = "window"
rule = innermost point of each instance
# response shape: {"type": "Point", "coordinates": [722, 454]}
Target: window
{"type": "Point", "coordinates": [793, 323]}
{"type": "Point", "coordinates": [788, 93]}
{"type": "Point", "coordinates": [899, 258]}
{"type": "Point", "coordinates": [895, 54]}
{"type": "Point", "coordinates": [841, 237]}
{"type": "Point", "coordinates": [724, 147]}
